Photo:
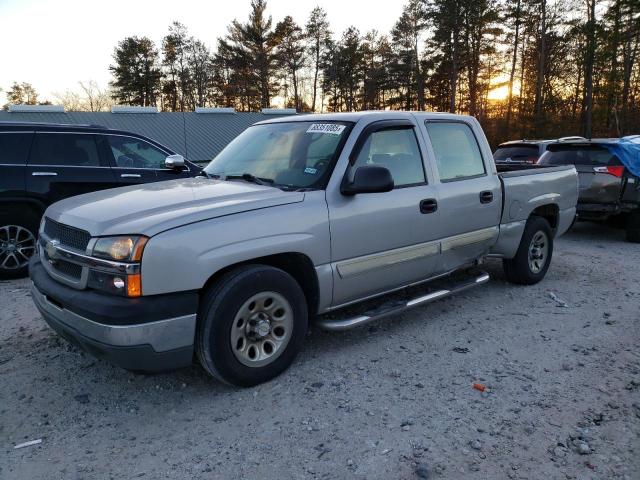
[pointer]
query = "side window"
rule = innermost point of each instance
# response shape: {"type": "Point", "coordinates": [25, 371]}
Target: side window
{"type": "Point", "coordinates": [129, 152]}
{"type": "Point", "coordinates": [397, 150]}
{"type": "Point", "coordinates": [64, 150]}
{"type": "Point", "coordinates": [14, 148]}
{"type": "Point", "coordinates": [457, 153]}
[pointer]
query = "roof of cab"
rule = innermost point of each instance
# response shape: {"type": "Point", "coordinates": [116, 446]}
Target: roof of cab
{"type": "Point", "coordinates": [367, 114]}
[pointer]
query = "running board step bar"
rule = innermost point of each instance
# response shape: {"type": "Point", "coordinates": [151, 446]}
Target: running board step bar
{"type": "Point", "coordinates": [439, 289]}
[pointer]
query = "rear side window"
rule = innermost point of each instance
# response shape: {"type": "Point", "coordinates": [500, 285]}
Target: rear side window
{"type": "Point", "coordinates": [457, 153]}
{"type": "Point", "coordinates": [14, 148]}
{"type": "Point", "coordinates": [516, 153]}
{"type": "Point", "coordinates": [64, 150]}
{"type": "Point", "coordinates": [591, 155]}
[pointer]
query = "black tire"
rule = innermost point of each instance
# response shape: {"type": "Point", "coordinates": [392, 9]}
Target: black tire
{"type": "Point", "coordinates": [519, 269]}
{"type": "Point", "coordinates": [219, 306]}
{"type": "Point", "coordinates": [633, 227]}
{"type": "Point", "coordinates": [12, 262]}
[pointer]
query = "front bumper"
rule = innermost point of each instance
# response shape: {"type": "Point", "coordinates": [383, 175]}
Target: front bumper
{"type": "Point", "coordinates": [149, 334]}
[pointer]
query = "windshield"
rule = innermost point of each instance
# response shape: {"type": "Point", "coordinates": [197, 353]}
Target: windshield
{"type": "Point", "coordinates": [578, 155]}
{"type": "Point", "coordinates": [292, 155]}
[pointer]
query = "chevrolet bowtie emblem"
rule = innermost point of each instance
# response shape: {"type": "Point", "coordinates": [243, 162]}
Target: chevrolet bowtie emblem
{"type": "Point", "coordinates": [51, 247]}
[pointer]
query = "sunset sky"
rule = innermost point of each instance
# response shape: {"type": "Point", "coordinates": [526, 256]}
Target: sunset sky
{"type": "Point", "coordinates": [54, 44]}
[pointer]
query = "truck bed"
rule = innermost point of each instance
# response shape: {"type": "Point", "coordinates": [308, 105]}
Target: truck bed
{"type": "Point", "coordinates": [526, 188]}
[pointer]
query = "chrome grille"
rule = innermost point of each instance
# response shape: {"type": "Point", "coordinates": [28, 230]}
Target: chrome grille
{"type": "Point", "coordinates": [62, 267]}
{"type": "Point", "coordinates": [68, 269]}
{"type": "Point", "coordinates": [66, 235]}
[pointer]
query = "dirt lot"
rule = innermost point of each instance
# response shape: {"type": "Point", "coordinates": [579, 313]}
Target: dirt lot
{"type": "Point", "coordinates": [561, 360]}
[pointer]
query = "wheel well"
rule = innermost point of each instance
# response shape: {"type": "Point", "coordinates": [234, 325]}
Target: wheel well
{"type": "Point", "coordinates": [21, 207]}
{"type": "Point", "coordinates": [550, 213]}
{"type": "Point", "coordinates": [298, 265]}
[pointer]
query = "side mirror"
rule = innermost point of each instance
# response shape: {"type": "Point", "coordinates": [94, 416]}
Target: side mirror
{"type": "Point", "coordinates": [174, 161]}
{"type": "Point", "coordinates": [368, 179]}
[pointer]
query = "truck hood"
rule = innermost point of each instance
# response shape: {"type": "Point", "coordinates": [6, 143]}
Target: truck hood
{"type": "Point", "coordinates": [151, 208]}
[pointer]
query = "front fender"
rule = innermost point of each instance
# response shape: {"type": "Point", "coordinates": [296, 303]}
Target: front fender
{"type": "Point", "coordinates": [185, 258]}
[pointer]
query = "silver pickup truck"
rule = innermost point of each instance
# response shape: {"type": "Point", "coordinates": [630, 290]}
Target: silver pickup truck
{"type": "Point", "coordinates": [298, 219]}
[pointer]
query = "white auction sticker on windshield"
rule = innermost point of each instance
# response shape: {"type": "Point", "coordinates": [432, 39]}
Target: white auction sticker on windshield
{"type": "Point", "coordinates": [330, 128]}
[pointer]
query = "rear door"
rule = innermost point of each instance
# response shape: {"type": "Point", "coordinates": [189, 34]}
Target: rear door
{"type": "Point", "coordinates": [14, 150]}
{"type": "Point", "coordinates": [600, 173]}
{"type": "Point", "coordinates": [64, 164]}
{"type": "Point", "coordinates": [469, 192]}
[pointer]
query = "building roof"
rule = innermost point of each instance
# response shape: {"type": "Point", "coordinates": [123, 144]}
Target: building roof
{"type": "Point", "coordinates": [197, 136]}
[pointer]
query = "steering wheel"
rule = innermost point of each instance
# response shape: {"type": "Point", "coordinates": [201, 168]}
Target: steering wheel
{"type": "Point", "coordinates": [322, 163]}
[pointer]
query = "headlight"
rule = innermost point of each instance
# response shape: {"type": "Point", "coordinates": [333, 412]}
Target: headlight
{"type": "Point", "coordinates": [126, 248]}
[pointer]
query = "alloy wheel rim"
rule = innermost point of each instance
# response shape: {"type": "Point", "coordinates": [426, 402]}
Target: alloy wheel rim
{"type": "Point", "coordinates": [261, 329]}
{"type": "Point", "coordinates": [538, 252]}
{"type": "Point", "coordinates": [17, 246]}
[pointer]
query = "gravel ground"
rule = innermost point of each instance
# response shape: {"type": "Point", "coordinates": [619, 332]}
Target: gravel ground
{"type": "Point", "coordinates": [560, 361]}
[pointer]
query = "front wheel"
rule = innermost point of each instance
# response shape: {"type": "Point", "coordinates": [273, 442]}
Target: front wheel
{"type": "Point", "coordinates": [251, 324]}
{"type": "Point", "coordinates": [18, 234]}
{"type": "Point", "coordinates": [534, 254]}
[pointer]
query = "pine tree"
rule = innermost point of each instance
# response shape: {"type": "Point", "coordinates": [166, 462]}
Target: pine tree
{"type": "Point", "coordinates": [136, 72]}
{"type": "Point", "coordinates": [290, 56]}
{"type": "Point", "coordinates": [251, 47]}
{"type": "Point", "coordinates": [318, 36]}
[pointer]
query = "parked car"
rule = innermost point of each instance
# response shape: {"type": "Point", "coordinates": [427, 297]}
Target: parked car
{"type": "Point", "coordinates": [525, 151]}
{"type": "Point", "coordinates": [608, 188]}
{"type": "Point", "coordinates": [43, 163]}
{"type": "Point", "coordinates": [297, 218]}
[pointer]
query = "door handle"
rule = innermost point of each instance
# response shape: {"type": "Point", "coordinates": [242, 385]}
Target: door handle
{"type": "Point", "coordinates": [428, 205]}
{"type": "Point", "coordinates": [130, 175]}
{"type": "Point", "coordinates": [44, 174]}
{"type": "Point", "coordinates": [486, 196]}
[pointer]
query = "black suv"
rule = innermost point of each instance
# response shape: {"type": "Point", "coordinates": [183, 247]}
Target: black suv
{"type": "Point", "coordinates": [43, 163]}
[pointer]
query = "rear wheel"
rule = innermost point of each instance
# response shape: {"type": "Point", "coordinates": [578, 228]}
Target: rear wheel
{"type": "Point", "coordinates": [18, 234]}
{"type": "Point", "coordinates": [534, 254]}
{"type": "Point", "coordinates": [633, 227]}
{"type": "Point", "coordinates": [251, 324]}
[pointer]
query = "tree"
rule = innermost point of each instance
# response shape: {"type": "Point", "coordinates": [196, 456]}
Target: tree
{"type": "Point", "coordinates": [22, 93]}
{"type": "Point", "coordinates": [290, 55]}
{"type": "Point", "coordinates": [514, 14]}
{"type": "Point", "coordinates": [406, 38]}
{"type": "Point", "coordinates": [480, 20]}
{"type": "Point", "coordinates": [176, 47]}
{"type": "Point", "coordinates": [587, 106]}
{"type": "Point", "coordinates": [318, 36]}
{"type": "Point", "coordinates": [350, 67]}
{"type": "Point", "coordinates": [97, 99]}
{"type": "Point", "coordinates": [136, 72]}
{"type": "Point", "coordinates": [251, 51]}
{"type": "Point", "coordinates": [446, 18]}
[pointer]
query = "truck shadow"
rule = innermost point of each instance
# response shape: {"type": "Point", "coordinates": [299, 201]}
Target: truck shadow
{"type": "Point", "coordinates": [591, 231]}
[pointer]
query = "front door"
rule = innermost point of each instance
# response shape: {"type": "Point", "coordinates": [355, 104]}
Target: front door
{"type": "Point", "coordinates": [138, 161]}
{"type": "Point", "coordinates": [380, 241]}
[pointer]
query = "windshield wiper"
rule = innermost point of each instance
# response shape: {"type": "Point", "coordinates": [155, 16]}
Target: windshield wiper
{"type": "Point", "coordinates": [248, 177]}
{"type": "Point", "coordinates": [215, 176]}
